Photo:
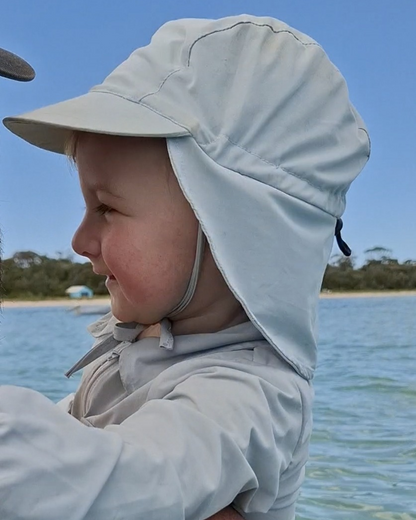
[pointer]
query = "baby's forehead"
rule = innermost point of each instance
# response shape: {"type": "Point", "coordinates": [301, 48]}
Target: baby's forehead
{"type": "Point", "coordinates": [106, 163]}
{"type": "Point", "coordinates": [97, 148]}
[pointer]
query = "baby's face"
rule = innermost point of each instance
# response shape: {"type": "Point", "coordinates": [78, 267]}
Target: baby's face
{"type": "Point", "coordinates": [138, 228]}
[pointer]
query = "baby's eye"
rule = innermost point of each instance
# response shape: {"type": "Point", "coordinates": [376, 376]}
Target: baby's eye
{"type": "Point", "coordinates": [103, 209]}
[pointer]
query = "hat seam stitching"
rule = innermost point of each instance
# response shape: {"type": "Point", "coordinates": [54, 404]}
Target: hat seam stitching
{"type": "Point", "coordinates": [334, 215]}
{"type": "Point", "coordinates": [139, 102]}
{"type": "Point", "coordinates": [278, 166]}
{"type": "Point", "coordinates": [247, 23]}
{"type": "Point", "coordinates": [160, 86]}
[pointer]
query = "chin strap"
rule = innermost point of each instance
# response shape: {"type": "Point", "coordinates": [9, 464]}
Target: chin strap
{"type": "Point", "coordinates": [166, 337]}
{"type": "Point", "coordinates": [190, 291]}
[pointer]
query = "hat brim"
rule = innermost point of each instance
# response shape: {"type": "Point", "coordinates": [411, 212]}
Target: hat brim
{"type": "Point", "coordinates": [14, 67]}
{"type": "Point", "coordinates": [96, 112]}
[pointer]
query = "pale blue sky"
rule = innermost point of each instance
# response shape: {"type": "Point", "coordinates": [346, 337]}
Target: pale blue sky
{"type": "Point", "coordinates": [74, 45]}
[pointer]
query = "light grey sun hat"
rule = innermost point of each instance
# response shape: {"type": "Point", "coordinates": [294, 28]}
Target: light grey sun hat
{"type": "Point", "coordinates": [264, 142]}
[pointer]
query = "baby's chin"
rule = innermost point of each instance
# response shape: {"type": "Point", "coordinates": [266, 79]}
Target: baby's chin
{"type": "Point", "coordinates": [127, 313]}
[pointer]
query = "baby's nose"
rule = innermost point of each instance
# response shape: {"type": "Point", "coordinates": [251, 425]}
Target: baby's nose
{"type": "Point", "coordinates": [85, 243]}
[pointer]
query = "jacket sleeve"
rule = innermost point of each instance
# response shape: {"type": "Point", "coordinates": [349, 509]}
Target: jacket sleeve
{"type": "Point", "coordinates": [215, 435]}
{"type": "Point", "coordinates": [66, 403]}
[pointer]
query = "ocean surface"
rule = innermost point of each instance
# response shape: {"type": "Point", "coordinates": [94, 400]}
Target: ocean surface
{"type": "Point", "coordinates": [363, 450]}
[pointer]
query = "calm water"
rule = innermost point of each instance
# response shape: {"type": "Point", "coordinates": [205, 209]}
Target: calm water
{"type": "Point", "coordinates": [363, 452]}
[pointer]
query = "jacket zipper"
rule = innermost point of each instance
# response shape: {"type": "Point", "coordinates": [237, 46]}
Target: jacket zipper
{"type": "Point", "coordinates": [96, 375]}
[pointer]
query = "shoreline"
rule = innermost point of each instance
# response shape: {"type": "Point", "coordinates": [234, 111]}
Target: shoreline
{"type": "Point", "coordinates": [13, 304]}
{"type": "Point", "coordinates": [10, 304]}
{"type": "Point", "coordinates": [366, 294]}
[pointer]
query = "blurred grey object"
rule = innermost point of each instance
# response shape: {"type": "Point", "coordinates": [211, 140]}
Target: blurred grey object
{"type": "Point", "coordinates": [14, 67]}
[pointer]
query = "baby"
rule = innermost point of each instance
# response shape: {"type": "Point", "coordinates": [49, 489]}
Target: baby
{"type": "Point", "coordinates": [214, 165]}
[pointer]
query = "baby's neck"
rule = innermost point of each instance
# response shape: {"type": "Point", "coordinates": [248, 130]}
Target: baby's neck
{"type": "Point", "coordinates": [197, 325]}
{"type": "Point", "coordinates": [151, 331]}
{"type": "Point", "coordinates": [209, 322]}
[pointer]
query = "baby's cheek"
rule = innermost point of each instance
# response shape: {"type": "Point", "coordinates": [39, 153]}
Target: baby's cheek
{"type": "Point", "coordinates": [147, 274]}
{"type": "Point", "coordinates": [142, 282]}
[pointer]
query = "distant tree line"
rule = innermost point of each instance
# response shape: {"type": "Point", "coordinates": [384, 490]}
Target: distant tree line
{"type": "Point", "coordinates": [380, 272]}
{"type": "Point", "coordinates": [27, 275]}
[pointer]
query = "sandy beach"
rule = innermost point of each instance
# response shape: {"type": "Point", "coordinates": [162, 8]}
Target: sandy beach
{"type": "Point", "coordinates": [65, 302]}
{"type": "Point", "coordinates": [106, 301]}
{"type": "Point", "coordinates": [368, 294]}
